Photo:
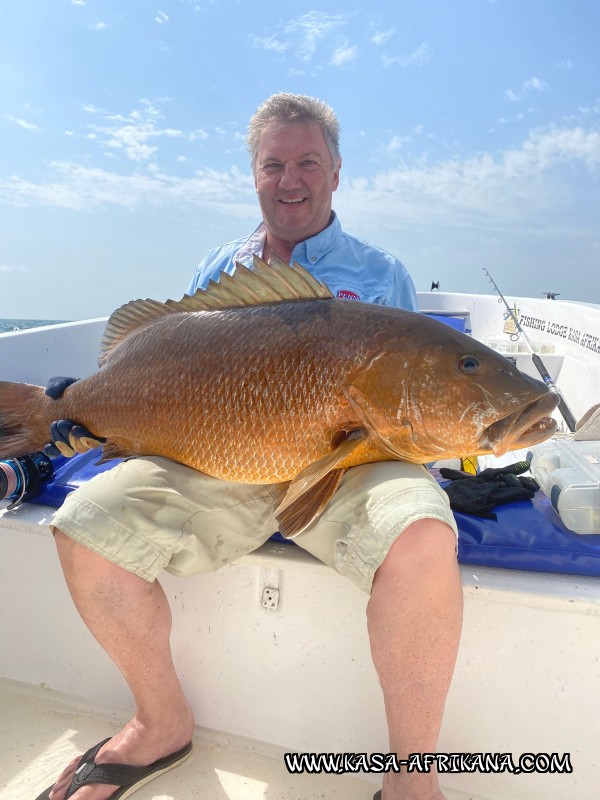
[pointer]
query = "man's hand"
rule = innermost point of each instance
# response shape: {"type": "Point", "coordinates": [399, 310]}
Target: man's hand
{"type": "Point", "coordinates": [67, 436]}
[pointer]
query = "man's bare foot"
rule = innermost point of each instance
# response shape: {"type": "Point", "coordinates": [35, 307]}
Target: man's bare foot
{"type": "Point", "coordinates": [137, 744]}
{"type": "Point", "coordinates": [410, 786]}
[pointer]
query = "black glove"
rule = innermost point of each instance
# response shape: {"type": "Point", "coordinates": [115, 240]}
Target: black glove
{"type": "Point", "coordinates": [67, 436]}
{"type": "Point", "coordinates": [478, 494]}
{"type": "Point", "coordinates": [57, 385]}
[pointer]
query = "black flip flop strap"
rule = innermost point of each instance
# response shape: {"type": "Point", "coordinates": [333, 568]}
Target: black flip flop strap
{"type": "Point", "coordinates": [89, 772]}
{"type": "Point", "coordinates": [116, 774]}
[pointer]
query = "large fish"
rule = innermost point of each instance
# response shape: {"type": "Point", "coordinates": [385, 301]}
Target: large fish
{"type": "Point", "coordinates": [265, 378]}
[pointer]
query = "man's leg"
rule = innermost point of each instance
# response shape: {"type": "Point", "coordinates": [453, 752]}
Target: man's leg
{"type": "Point", "coordinates": [390, 530]}
{"type": "Point", "coordinates": [131, 620]}
{"type": "Point", "coordinates": [414, 618]}
{"type": "Point", "coordinates": [114, 535]}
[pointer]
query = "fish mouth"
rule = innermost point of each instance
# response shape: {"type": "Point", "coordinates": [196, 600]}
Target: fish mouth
{"type": "Point", "coordinates": [525, 427]}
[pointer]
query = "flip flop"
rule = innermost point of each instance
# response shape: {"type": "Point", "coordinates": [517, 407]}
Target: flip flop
{"type": "Point", "coordinates": [128, 778]}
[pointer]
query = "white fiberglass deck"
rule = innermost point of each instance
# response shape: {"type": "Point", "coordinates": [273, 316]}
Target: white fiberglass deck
{"type": "Point", "coordinates": [300, 677]}
{"type": "Point", "coordinates": [43, 730]}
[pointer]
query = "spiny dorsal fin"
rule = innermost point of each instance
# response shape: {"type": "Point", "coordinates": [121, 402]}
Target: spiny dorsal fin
{"type": "Point", "coordinates": [266, 283]}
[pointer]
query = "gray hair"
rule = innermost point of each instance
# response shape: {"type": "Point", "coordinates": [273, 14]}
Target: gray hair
{"type": "Point", "coordinates": [284, 108]}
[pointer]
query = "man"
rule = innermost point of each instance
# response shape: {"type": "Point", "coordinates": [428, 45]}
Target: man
{"type": "Point", "coordinates": [398, 539]}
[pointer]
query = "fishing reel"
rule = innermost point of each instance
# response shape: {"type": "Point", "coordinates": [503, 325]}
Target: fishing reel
{"type": "Point", "coordinates": [21, 478]}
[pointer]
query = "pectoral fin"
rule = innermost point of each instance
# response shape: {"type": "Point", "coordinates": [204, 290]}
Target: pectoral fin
{"type": "Point", "coordinates": [312, 489]}
{"type": "Point", "coordinates": [379, 426]}
{"type": "Point", "coordinates": [111, 450]}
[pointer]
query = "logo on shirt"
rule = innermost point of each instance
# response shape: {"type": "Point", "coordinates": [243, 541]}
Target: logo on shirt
{"type": "Point", "coordinates": [346, 294]}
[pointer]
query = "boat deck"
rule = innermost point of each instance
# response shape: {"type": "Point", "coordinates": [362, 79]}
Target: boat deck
{"type": "Point", "coordinates": [43, 730]}
{"type": "Point", "coordinates": [526, 678]}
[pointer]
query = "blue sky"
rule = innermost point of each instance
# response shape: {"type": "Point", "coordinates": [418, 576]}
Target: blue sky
{"type": "Point", "coordinates": [470, 139]}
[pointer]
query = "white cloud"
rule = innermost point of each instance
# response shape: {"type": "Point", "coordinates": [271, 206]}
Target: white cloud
{"type": "Point", "coordinates": [136, 135]}
{"type": "Point", "coordinates": [28, 126]}
{"type": "Point", "coordinates": [486, 190]}
{"type": "Point", "coordinates": [587, 111]}
{"type": "Point", "coordinates": [307, 29]}
{"type": "Point", "coordinates": [344, 55]}
{"type": "Point", "coordinates": [300, 36]}
{"type": "Point", "coordinates": [271, 43]}
{"type": "Point", "coordinates": [534, 85]}
{"type": "Point", "coordinates": [528, 86]}
{"type": "Point", "coordinates": [98, 26]}
{"type": "Point", "coordinates": [420, 56]}
{"type": "Point", "coordinates": [82, 188]}
{"type": "Point", "coordinates": [382, 37]}
{"type": "Point", "coordinates": [396, 143]}
{"type": "Point", "coordinates": [78, 2]}
{"type": "Point", "coordinates": [69, 133]}
{"type": "Point", "coordinates": [565, 64]}
{"type": "Point", "coordinates": [161, 18]}
{"type": "Point", "coordinates": [294, 72]}
{"type": "Point", "coordinates": [511, 96]}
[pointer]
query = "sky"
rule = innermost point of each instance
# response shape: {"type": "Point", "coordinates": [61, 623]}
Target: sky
{"type": "Point", "coordinates": [470, 139]}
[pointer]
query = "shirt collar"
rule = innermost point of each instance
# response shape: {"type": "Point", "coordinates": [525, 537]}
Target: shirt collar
{"type": "Point", "coordinates": [309, 251]}
{"type": "Point", "coordinates": [253, 246]}
{"type": "Point", "coordinates": [313, 249]}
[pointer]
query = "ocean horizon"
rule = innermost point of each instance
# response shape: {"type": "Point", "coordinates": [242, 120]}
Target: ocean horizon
{"type": "Point", "coordinates": [7, 325]}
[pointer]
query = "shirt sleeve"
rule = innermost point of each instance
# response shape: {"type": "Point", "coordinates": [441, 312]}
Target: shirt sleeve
{"type": "Point", "coordinates": [402, 288]}
{"type": "Point", "coordinates": [211, 266]}
{"type": "Point", "coordinates": [193, 285]}
{"type": "Point", "coordinates": [406, 291]}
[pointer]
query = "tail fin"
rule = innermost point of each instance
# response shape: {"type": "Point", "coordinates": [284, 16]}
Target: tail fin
{"type": "Point", "coordinates": [17, 405]}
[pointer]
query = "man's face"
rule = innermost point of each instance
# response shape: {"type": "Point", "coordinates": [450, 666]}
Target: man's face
{"type": "Point", "coordinates": [295, 178]}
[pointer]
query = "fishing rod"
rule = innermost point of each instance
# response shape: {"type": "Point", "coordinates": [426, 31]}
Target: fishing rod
{"type": "Point", "coordinates": [562, 406]}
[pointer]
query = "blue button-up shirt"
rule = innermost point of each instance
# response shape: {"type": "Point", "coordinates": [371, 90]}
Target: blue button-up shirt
{"type": "Point", "coordinates": [351, 268]}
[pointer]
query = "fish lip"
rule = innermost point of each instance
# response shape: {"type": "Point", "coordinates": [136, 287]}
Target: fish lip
{"type": "Point", "coordinates": [526, 426]}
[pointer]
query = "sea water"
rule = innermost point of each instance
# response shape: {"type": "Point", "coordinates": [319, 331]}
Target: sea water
{"type": "Point", "coordinates": [7, 325]}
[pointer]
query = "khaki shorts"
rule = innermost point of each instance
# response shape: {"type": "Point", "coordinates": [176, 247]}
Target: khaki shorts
{"type": "Point", "coordinates": [149, 514]}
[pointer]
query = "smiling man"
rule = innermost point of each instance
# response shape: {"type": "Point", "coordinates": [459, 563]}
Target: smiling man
{"type": "Point", "coordinates": [294, 146]}
{"type": "Point", "coordinates": [295, 176]}
{"type": "Point", "coordinates": [388, 528]}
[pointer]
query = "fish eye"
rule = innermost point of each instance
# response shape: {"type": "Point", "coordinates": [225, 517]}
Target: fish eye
{"type": "Point", "coordinates": [469, 365]}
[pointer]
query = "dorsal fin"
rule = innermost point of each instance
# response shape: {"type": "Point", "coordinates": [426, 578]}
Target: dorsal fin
{"type": "Point", "coordinates": [265, 284]}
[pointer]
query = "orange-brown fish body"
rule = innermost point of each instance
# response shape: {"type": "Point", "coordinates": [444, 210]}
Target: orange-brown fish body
{"type": "Point", "coordinates": [254, 394]}
{"type": "Point", "coordinates": [266, 392]}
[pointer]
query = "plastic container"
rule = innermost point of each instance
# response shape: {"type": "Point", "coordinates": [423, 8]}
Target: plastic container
{"type": "Point", "coordinates": [569, 474]}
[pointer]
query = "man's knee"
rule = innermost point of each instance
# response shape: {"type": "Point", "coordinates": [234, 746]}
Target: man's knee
{"type": "Point", "coordinates": [61, 539]}
{"type": "Point", "coordinates": [68, 548]}
{"type": "Point", "coordinates": [424, 545]}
